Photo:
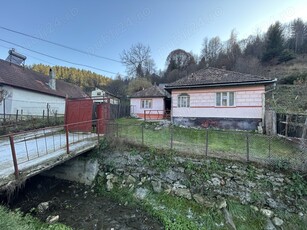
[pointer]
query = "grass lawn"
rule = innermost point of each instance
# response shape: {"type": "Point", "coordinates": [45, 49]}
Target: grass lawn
{"type": "Point", "coordinates": [220, 143]}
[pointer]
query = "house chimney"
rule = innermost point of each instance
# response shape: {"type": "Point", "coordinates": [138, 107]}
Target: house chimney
{"type": "Point", "coordinates": [52, 82]}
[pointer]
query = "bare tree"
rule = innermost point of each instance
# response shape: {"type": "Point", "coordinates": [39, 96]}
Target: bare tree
{"type": "Point", "coordinates": [248, 64]}
{"type": "Point", "coordinates": [3, 94]}
{"type": "Point", "coordinates": [138, 84]}
{"type": "Point", "coordinates": [233, 49]}
{"type": "Point", "coordinates": [211, 50]}
{"type": "Point", "coordinates": [138, 60]}
{"type": "Point", "coordinates": [298, 30]}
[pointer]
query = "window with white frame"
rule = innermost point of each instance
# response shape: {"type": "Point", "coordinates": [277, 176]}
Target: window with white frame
{"type": "Point", "coordinates": [146, 104]}
{"type": "Point", "coordinates": [183, 100]}
{"type": "Point", "coordinates": [225, 99]}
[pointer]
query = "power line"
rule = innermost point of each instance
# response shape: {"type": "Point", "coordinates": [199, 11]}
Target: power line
{"type": "Point", "coordinates": [60, 45]}
{"type": "Point", "coordinates": [59, 59]}
{"type": "Point", "coordinates": [39, 59]}
{"type": "Point", "coordinates": [28, 55]}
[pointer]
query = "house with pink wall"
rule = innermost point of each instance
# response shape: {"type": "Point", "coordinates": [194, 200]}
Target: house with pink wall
{"type": "Point", "coordinates": [219, 98]}
{"type": "Point", "coordinates": [151, 103]}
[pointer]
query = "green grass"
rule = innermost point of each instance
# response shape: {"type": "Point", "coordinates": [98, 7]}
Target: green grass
{"type": "Point", "coordinates": [220, 143]}
{"type": "Point", "coordinates": [177, 213]}
{"type": "Point", "coordinates": [15, 220]}
{"type": "Point", "coordinates": [173, 212]}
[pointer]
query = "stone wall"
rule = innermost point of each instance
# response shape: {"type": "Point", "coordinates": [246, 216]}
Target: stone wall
{"type": "Point", "coordinates": [209, 182]}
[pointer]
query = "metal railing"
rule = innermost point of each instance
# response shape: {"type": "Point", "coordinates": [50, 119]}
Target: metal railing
{"type": "Point", "coordinates": [27, 146]}
{"type": "Point", "coordinates": [156, 114]}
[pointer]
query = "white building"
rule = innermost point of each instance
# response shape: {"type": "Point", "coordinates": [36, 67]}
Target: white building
{"type": "Point", "coordinates": [100, 96]}
{"type": "Point", "coordinates": [27, 92]}
{"type": "Point", "coordinates": [152, 103]}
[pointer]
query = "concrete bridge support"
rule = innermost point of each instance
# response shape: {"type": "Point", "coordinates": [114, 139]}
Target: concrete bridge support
{"type": "Point", "coordinates": [80, 169]}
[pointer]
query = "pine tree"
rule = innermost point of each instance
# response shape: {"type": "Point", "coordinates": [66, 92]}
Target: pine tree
{"type": "Point", "coordinates": [274, 42]}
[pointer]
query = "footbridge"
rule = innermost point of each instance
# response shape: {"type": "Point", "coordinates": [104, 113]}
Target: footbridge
{"type": "Point", "coordinates": [25, 154]}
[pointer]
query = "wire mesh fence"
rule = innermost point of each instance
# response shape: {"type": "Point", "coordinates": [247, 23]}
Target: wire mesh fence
{"type": "Point", "coordinates": [245, 146]}
{"type": "Point", "coordinates": [29, 122]}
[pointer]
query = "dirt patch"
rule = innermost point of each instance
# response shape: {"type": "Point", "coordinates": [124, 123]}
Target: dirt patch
{"type": "Point", "coordinates": [79, 207]}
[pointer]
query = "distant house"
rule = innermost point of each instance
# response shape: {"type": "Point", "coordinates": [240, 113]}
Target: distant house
{"type": "Point", "coordinates": [33, 93]}
{"type": "Point", "coordinates": [100, 95]}
{"type": "Point", "coordinates": [219, 98]}
{"type": "Point", "coordinates": [150, 103]}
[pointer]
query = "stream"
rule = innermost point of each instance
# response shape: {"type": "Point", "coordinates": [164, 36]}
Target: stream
{"type": "Point", "coordinates": [78, 206]}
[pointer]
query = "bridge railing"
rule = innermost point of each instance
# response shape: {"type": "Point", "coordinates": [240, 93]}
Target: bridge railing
{"type": "Point", "coordinates": [26, 147]}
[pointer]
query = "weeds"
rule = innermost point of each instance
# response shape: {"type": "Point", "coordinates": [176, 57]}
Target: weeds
{"type": "Point", "coordinates": [103, 145]}
{"type": "Point", "coordinates": [298, 187]}
{"type": "Point", "coordinates": [280, 164]}
{"type": "Point", "coordinates": [257, 197]}
{"type": "Point", "coordinates": [15, 220]}
{"type": "Point", "coordinates": [179, 213]}
{"type": "Point", "coordinates": [215, 165]}
{"type": "Point", "coordinates": [251, 173]}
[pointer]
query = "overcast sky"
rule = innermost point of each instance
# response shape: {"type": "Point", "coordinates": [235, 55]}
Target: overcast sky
{"type": "Point", "coordinates": [106, 28]}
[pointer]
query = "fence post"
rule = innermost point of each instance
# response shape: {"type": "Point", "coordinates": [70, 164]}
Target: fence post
{"type": "Point", "coordinates": [287, 123]}
{"type": "Point", "coordinates": [117, 132]}
{"type": "Point", "coordinates": [270, 146]}
{"type": "Point", "coordinates": [48, 107]}
{"type": "Point", "coordinates": [67, 140]}
{"type": "Point", "coordinates": [207, 139]}
{"type": "Point", "coordinates": [97, 129]}
{"type": "Point", "coordinates": [142, 127]}
{"type": "Point", "coordinates": [247, 147]}
{"type": "Point", "coordinates": [55, 117]}
{"type": "Point", "coordinates": [4, 112]}
{"type": "Point", "coordinates": [171, 130]}
{"type": "Point", "coordinates": [14, 156]}
{"type": "Point", "coordinates": [17, 115]}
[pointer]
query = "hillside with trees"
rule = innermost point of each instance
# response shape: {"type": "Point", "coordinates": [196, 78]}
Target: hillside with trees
{"type": "Point", "coordinates": [85, 79]}
{"type": "Point", "coordinates": [279, 53]}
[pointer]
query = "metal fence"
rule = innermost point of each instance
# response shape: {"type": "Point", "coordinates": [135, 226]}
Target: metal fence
{"type": "Point", "coordinates": [292, 125]}
{"type": "Point", "coordinates": [119, 110]}
{"type": "Point", "coordinates": [16, 123]}
{"type": "Point", "coordinates": [274, 151]}
{"type": "Point", "coordinates": [24, 149]}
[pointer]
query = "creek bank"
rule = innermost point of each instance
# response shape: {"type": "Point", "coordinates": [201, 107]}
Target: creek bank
{"type": "Point", "coordinates": [78, 206]}
{"type": "Point", "coordinates": [210, 183]}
